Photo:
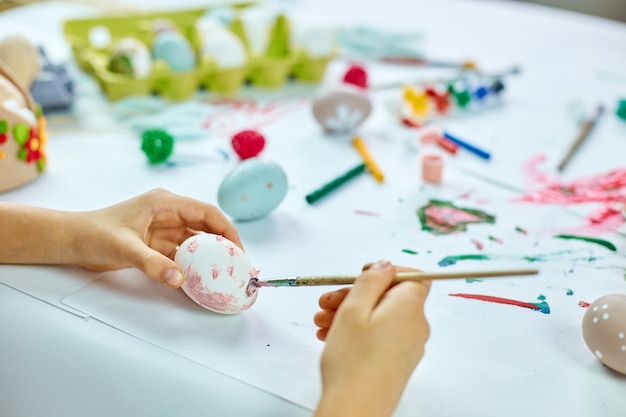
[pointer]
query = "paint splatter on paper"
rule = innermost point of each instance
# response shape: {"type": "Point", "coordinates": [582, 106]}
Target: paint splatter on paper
{"type": "Point", "coordinates": [520, 230]}
{"type": "Point", "coordinates": [409, 251]}
{"type": "Point", "coordinates": [478, 244]}
{"type": "Point", "coordinates": [583, 304]}
{"type": "Point", "coordinates": [608, 189]}
{"type": "Point", "coordinates": [555, 256]}
{"type": "Point", "coordinates": [588, 239]}
{"type": "Point", "coordinates": [495, 239]}
{"type": "Point", "coordinates": [443, 217]}
{"type": "Point", "coordinates": [541, 306]}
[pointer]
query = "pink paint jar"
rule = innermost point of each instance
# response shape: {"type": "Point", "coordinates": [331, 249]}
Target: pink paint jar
{"type": "Point", "coordinates": [432, 168]}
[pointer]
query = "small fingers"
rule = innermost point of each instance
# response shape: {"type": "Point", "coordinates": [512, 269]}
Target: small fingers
{"type": "Point", "coordinates": [369, 288]}
{"type": "Point", "coordinates": [154, 264]}
{"type": "Point", "coordinates": [324, 318]}
{"type": "Point", "coordinates": [332, 300]}
{"type": "Point", "coordinates": [322, 334]}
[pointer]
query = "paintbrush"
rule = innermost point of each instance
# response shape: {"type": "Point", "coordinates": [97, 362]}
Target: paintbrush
{"type": "Point", "coordinates": [582, 136]}
{"type": "Point", "coordinates": [400, 276]}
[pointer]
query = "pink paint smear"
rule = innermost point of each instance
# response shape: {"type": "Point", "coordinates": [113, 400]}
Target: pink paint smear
{"type": "Point", "coordinates": [608, 190]}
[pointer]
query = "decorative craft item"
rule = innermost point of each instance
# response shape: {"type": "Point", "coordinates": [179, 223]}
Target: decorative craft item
{"type": "Point", "coordinates": [604, 330]}
{"type": "Point", "coordinates": [22, 134]}
{"type": "Point", "coordinates": [131, 57]}
{"type": "Point", "coordinates": [22, 56]}
{"type": "Point", "coordinates": [341, 109]}
{"type": "Point", "coordinates": [252, 189]}
{"type": "Point", "coordinates": [158, 145]}
{"type": "Point", "coordinates": [174, 49]}
{"type": "Point", "coordinates": [217, 273]}
{"type": "Point", "coordinates": [248, 143]}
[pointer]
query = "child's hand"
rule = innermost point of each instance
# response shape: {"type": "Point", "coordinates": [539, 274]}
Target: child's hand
{"type": "Point", "coordinates": [375, 338]}
{"type": "Point", "coordinates": [144, 232]}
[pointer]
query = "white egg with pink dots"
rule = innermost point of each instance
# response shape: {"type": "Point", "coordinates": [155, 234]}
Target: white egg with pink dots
{"type": "Point", "coordinates": [217, 273]}
{"type": "Point", "coordinates": [604, 330]}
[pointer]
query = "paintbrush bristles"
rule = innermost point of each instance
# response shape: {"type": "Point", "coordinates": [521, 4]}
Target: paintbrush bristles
{"type": "Point", "coordinates": [400, 276]}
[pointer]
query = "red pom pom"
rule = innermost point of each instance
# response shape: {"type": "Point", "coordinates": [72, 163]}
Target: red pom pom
{"type": "Point", "coordinates": [356, 75]}
{"type": "Point", "coordinates": [248, 143]}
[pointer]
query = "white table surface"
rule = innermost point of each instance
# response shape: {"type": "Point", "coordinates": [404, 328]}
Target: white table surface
{"type": "Point", "coordinates": [62, 354]}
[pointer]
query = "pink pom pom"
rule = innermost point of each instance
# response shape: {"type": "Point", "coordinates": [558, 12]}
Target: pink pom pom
{"type": "Point", "coordinates": [356, 75]}
{"type": "Point", "coordinates": [248, 143]}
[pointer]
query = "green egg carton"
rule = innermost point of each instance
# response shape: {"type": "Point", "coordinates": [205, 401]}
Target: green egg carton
{"type": "Point", "coordinates": [270, 70]}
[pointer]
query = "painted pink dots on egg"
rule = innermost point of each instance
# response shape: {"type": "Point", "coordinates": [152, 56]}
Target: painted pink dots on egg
{"type": "Point", "coordinates": [216, 270]}
{"type": "Point", "coordinates": [242, 283]}
{"type": "Point", "coordinates": [220, 238]}
{"type": "Point", "coordinates": [231, 250]}
{"type": "Point", "coordinates": [230, 270]}
{"type": "Point", "coordinates": [193, 245]}
{"type": "Point", "coordinates": [254, 273]}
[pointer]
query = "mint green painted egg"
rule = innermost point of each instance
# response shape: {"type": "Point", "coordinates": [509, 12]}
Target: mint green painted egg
{"type": "Point", "coordinates": [252, 189]}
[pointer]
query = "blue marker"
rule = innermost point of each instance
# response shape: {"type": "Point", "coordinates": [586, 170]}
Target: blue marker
{"type": "Point", "coordinates": [469, 147]}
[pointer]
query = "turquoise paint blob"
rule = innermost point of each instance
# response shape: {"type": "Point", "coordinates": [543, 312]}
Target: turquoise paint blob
{"type": "Point", "coordinates": [451, 260]}
{"type": "Point", "coordinates": [541, 297]}
{"type": "Point", "coordinates": [472, 280]}
{"type": "Point", "coordinates": [543, 307]}
{"type": "Point", "coordinates": [569, 292]}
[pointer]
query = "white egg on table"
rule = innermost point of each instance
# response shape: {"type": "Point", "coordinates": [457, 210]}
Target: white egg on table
{"type": "Point", "coordinates": [217, 273]}
{"type": "Point", "coordinates": [252, 189]}
{"type": "Point", "coordinates": [604, 330]}
{"type": "Point", "coordinates": [341, 109]}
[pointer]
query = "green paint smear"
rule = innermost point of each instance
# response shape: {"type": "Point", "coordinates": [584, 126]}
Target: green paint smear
{"type": "Point", "coordinates": [448, 224]}
{"type": "Point", "coordinates": [472, 280]}
{"type": "Point", "coordinates": [453, 259]}
{"type": "Point", "coordinates": [409, 251]}
{"type": "Point", "coordinates": [597, 241]}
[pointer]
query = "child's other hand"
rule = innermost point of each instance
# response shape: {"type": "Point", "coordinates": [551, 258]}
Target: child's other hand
{"type": "Point", "coordinates": [144, 232]}
{"type": "Point", "coordinates": [375, 335]}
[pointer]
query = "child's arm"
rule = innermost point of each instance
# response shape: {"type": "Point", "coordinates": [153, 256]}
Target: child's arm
{"type": "Point", "coordinates": [142, 232]}
{"type": "Point", "coordinates": [375, 337]}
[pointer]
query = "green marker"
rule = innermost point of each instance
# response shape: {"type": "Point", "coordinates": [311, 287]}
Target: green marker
{"type": "Point", "coordinates": [334, 184]}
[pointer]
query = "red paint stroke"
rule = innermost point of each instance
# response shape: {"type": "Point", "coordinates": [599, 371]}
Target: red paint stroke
{"type": "Point", "coordinates": [507, 301]}
{"type": "Point", "coordinates": [603, 188]}
{"type": "Point", "coordinates": [607, 189]}
{"type": "Point", "coordinates": [478, 244]}
{"type": "Point", "coordinates": [249, 114]}
{"type": "Point", "coordinates": [366, 213]}
{"type": "Point", "coordinates": [583, 304]}
{"type": "Point", "coordinates": [467, 194]}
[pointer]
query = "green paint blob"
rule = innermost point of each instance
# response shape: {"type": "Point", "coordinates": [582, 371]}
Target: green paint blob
{"type": "Point", "coordinates": [472, 280]}
{"type": "Point", "coordinates": [409, 251]}
{"type": "Point", "coordinates": [597, 241]}
{"type": "Point", "coordinates": [451, 260]}
{"type": "Point", "coordinates": [541, 297]}
{"type": "Point", "coordinates": [442, 217]}
{"type": "Point", "coordinates": [570, 292]}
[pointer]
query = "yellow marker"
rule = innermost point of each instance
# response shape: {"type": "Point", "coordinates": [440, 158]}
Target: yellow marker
{"type": "Point", "coordinates": [369, 162]}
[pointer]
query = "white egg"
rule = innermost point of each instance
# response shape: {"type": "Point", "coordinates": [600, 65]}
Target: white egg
{"type": "Point", "coordinates": [225, 48]}
{"type": "Point", "coordinates": [217, 273]}
{"type": "Point", "coordinates": [341, 109]}
{"type": "Point", "coordinates": [604, 330]}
